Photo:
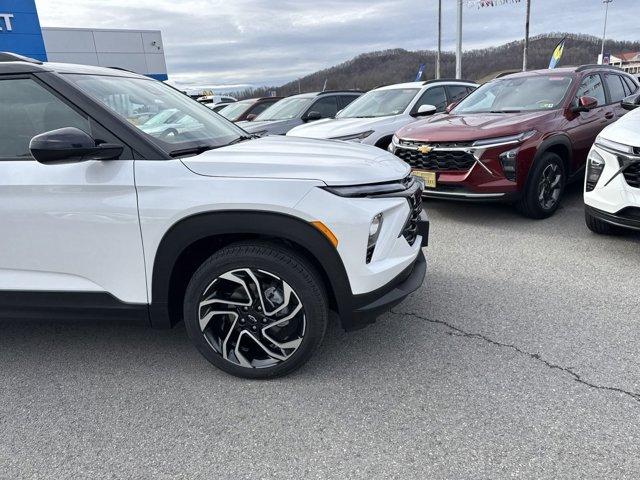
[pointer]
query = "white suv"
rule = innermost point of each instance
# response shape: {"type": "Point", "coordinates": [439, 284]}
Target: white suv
{"type": "Point", "coordinates": [251, 241]}
{"type": "Point", "coordinates": [612, 180]}
{"type": "Point", "coordinates": [375, 116]}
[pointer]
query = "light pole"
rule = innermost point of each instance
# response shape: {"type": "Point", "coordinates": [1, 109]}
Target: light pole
{"type": "Point", "coordinates": [604, 33]}
{"type": "Point", "coordinates": [439, 38]}
{"type": "Point", "coordinates": [459, 43]}
{"type": "Point", "coordinates": [526, 38]}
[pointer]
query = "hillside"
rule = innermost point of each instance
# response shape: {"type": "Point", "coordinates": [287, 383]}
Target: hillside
{"type": "Point", "coordinates": [369, 70]}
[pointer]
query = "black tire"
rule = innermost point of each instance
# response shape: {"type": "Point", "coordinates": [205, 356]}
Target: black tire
{"type": "Point", "coordinates": [279, 262]}
{"type": "Point", "coordinates": [530, 204]}
{"type": "Point", "coordinates": [601, 228]}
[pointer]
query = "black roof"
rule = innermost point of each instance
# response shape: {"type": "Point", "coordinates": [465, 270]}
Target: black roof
{"type": "Point", "coordinates": [14, 63]}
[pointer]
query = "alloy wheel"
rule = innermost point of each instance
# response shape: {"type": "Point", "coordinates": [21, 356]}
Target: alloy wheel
{"type": "Point", "coordinates": [252, 318]}
{"type": "Point", "coordinates": [550, 186]}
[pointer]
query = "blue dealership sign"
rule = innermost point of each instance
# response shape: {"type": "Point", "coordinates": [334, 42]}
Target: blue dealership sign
{"type": "Point", "coordinates": [20, 29]}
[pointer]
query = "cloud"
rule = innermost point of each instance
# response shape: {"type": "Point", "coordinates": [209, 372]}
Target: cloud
{"type": "Point", "coordinates": [269, 42]}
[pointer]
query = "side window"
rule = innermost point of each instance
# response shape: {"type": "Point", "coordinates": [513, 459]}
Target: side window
{"type": "Point", "coordinates": [591, 86]}
{"type": "Point", "coordinates": [631, 85]}
{"type": "Point", "coordinates": [434, 96]}
{"type": "Point", "coordinates": [259, 108]}
{"type": "Point", "coordinates": [457, 92]}
{"type": "Point", "coordinates": [326, 106]}
{"type": "Point", "coordinates": [344, 100]}
{"type": "Point", "coordinates": [616, 90]}
{"type": "Point", "coordinates": [28, 109]}
{"type": "Point", "coordinates": [470, 89]}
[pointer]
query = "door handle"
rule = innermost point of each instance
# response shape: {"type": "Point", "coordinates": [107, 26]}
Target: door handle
{"type": "Point", "coordinates": [608, 115]}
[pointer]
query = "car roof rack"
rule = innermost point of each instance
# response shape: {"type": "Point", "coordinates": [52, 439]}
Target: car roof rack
{"type": "Point", "coordinates": [436, 80]}
{"type": "Point", "coordinates": [340, 91]}
{"type": "Point", "coordinates": [14, 57]}
{"type": "Point", "coordinates": [582, 68]}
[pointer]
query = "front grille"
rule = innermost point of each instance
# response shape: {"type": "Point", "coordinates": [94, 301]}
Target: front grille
{"type": "Point", "coordinates": [410, 230]}
{"type": "Point", "coordinates": [631, 173]}
{"type": "Point", "coordinates": [436, 161]}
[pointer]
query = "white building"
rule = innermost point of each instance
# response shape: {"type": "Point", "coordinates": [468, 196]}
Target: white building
{"type": "Point", "coordinates": [140, 51]}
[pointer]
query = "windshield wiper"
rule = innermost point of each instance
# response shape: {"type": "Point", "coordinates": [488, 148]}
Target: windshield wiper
{"type": "Point", "coordinates": [505, 111]}
{"type": "Point", "coordinates": [185, 152]}
{"type": "Point", "coordinates": [241, 138]}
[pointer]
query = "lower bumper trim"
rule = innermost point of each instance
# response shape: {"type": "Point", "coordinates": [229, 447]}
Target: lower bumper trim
{"type": "Point", "coordinates": [619, 219]}
{"type": "Point", "coordinates": [368, 306]}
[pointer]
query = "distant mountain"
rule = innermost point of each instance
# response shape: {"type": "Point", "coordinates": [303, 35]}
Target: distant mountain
{"type": "Point", "coordinates": [385, 67]}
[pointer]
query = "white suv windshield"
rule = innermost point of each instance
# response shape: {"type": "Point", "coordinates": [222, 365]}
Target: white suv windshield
{"type": "Point", "coordinates": [380, 103]}
{"type": "Point", "coordinates": [285, 109]}
{"type": "Point", "coordinates": [234, 109]}
{"type": "Point", "coordinates": [172, 119]}
{"type": "Point", "coordinates": [517, 95]}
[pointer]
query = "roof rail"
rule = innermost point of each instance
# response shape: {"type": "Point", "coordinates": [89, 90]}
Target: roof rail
{"type": "Point", "coordinates": [582, 68]}
{"type": "Point", "coordinates": [340, 91]}
{"type": "Point", "coordinates": [436, 80]}
{"type": "Point", "coordinates": [14, 57]}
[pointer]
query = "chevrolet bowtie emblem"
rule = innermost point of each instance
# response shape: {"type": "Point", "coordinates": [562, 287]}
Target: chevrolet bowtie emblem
{"type": "Point", "coordinates": [424, 149]}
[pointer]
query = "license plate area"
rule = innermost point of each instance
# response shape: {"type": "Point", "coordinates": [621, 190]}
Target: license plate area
{"type": "Point", "coordinates": [429, 178]}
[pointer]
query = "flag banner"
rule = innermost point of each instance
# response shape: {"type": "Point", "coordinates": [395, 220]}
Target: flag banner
{"type": "Point", "coordinates": [557, 53]}
{"type": "Point", "coordinates": [489, 3]}
{"type": "Point", "coordinates": [420, 72]}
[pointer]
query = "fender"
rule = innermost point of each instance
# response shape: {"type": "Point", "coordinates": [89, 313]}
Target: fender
{"type": "Point", "coordinates": [192, 229]}
{"type": "Point", "coordinates": [550, 142]}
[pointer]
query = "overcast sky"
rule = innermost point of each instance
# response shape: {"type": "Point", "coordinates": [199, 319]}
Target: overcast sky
{"type": "Point", "coordinates": [269, 42]}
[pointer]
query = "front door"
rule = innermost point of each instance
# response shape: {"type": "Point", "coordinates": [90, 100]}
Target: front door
{"type": "Point", "coordinates": [64, 228]}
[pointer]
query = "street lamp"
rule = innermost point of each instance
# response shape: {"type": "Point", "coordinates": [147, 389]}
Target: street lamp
{"type": "Point", "coordinates": [604, 33]}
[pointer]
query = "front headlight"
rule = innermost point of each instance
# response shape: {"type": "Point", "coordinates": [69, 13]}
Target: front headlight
{"type": "Point", "coordinates": [611, 145]}
{"type": "Point", "coordinates": [595, 167]}
{"type": "Point", "coordinates": [358, 137]}
{"type": "Point", "coordinates": [374, 233]}
{"type": "Point", "coordinates": [498, 141]}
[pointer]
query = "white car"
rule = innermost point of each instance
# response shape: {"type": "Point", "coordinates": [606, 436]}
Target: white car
{"type": "Point", "coordinates": [246, 240]}
{"type": "Point", "coordinates": [373, 118]}
{"type": "Point", "coordinates": [612, 180]}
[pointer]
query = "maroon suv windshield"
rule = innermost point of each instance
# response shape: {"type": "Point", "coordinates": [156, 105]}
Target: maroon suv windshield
{"type": "Point", "coordinates": [520, 94]}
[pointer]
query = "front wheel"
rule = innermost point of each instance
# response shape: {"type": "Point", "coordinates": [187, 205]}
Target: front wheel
{"type": "Point", "coordinates": [256, 310]}
{"type": "Point", "coordinates": [544, 189]}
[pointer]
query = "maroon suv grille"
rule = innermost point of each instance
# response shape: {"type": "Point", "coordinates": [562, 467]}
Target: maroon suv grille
{"type": "Point", "coordinates": [437, 160]}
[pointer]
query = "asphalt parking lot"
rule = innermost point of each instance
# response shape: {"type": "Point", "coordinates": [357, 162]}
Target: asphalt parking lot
{"type": "Point", "coordinates": [519, 358]}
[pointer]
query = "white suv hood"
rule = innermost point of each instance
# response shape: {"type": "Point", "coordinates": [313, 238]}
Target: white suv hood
{"type": "Point", "coordinates": [332, 162]}
{"type": "Point", "coordinates": [340, 127]}
{"type": "Point", "coordinates": [625, 130]}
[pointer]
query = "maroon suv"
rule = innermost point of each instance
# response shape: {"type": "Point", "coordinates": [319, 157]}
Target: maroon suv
{"type": "Point", "coordinates": [519, 138]}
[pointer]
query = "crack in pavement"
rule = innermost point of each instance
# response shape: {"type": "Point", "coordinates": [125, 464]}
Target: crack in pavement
{"type": "Point", "coordinates": [576, 377]}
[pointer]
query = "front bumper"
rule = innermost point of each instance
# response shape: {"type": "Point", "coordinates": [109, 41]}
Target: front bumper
{"type": "Point", "coordinates": [369, 306]}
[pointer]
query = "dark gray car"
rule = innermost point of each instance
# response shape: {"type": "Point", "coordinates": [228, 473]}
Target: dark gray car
{"type": "Point", "coordinates": [290, 112]}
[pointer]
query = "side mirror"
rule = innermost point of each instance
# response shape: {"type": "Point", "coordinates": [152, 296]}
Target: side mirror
{"type": "Point", "coordinates": [425, 110]}
{"type": "Point", "coordinates": [312, 116]}
{"type": "Point", "coordinates": [251, 117]}
{"type": "Point", "coordinates": [69, 145]}
{"type": "Point", "coordinates": [631, 102]}
{"type": "Point", "coordinates": [451, 106]}
{"type": "Point", "coordinates": [585, 104]}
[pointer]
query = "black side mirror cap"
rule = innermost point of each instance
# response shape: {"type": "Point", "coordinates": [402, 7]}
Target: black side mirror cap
{"type": "Point", "coordinates": [312, 116]}
{"type": "Point", "coordinates": [71, 145]}
{"type": "Point", "coordinates": [631, 102]}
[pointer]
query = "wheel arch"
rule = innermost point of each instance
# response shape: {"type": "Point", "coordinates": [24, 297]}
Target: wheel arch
{"type": "Point", "coordinates": [193, 239]}
{"type": "Point", "coordinates": [559, 144]}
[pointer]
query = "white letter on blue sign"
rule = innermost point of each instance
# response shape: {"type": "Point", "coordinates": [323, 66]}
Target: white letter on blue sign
{"type": "Point", "coordinates": [7, 21]}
